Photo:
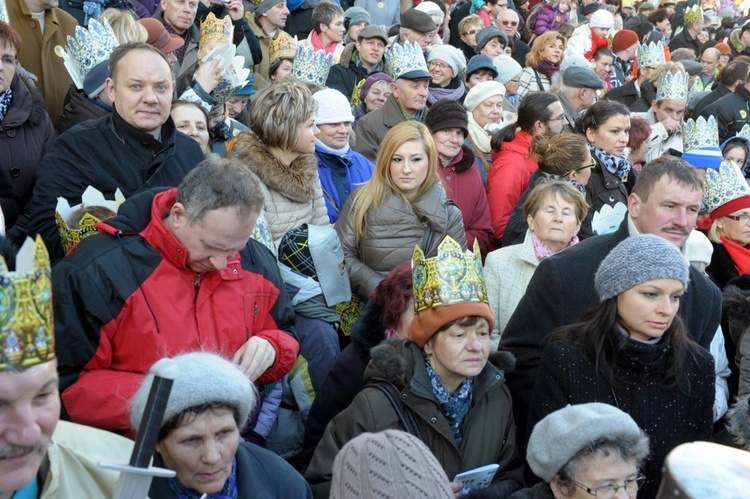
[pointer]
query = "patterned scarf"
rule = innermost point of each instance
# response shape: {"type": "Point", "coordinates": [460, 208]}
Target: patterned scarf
{"type": "Point", "coordinates": [228, 492]}
{"type": "Point", "coordinates": [548, 69]}
{"type": "Point", "coordinates": [5, 98]}
{"type": "Point", "coordinates": [437, 93]}
{"type": "Point", "coordinates": [181, 51]}
{"type": "Point", "coordinates": [543, 251]}
{"type": "Point", "coordinates": [616, 165]}
{"type": "Point", "coordinates": [453, 406]}
{"type": "Point", "coordinates": [552, 176]}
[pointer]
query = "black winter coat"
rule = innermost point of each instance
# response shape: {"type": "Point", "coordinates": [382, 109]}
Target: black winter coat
{"type": "Point", "coordinates": [684, 40]}
{"type": "Point", "coordinates": [627, 94]}
{"type": "Point", "coordinates": [77, 108]}
{"type": "Point", "coordinates": [732, 112]}
{"type": "Point", "coordinates": [715, 94]}
{"type": "Point", "coordinates": [345, 75]}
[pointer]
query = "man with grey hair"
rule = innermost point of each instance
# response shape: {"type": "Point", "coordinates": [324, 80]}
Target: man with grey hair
{"type": "Point", "coordinates": [175, 271]}
{"type": "Point", "coordinates": [508, 22]}
{"type": "Point", "coordinates": [416, 27]}
{"type": "Point", "coordinates": [578, 93]}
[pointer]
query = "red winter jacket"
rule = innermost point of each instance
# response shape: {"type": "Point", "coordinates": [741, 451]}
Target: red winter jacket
{"type": "Point", "coordinates": [125, 298]}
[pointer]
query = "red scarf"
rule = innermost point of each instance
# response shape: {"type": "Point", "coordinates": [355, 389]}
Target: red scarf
{"type": "Point", "coordinates": [317, 43]}
{"type": "Point", "coordinates": [740, 255]}
{"type": "Point", "coordinates": [597, 42]}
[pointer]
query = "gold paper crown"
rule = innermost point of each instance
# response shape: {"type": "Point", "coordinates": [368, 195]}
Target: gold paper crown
{"type": "Point", "coordinates": [672, 86]}
{"type": "Point", "coordinates": [723, 185]}
{"type": "Point", "coordinates": [91, 197]}
{"type": "Point", "coordinates": [700, 133]}
{"type": "Point", "coordinates": [693, 14]}
{"type": "Point", "coordinates": [651, 55]}
{"type": "Point", "coordinates": [452, 277]}
{"type": "Point", "coordinates": [282, 47]}
{"type": "Point", "coordinates": [26, 325]}
{"type": "Point", "coordinates": [219, 30]}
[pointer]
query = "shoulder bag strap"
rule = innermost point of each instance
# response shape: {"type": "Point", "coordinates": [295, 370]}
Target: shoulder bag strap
{"type": "Point", "coordinates": [404, 414]}
{"type": "Point", "coordinates": [539, 81]}
{"type": "Point", "coordinates": [480, 154]}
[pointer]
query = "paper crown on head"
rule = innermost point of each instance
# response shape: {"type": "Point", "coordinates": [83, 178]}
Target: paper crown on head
{"type": "Point", "coordinates": [91, 198]}
{"type": "Point", "coordinates": [651, 55]}
{"type": "Point", "coordinates": [450, 278]}
{"type": "Point", "coordinates": [693, 14]}
{"type": "Point", "coordinates": [216, 30]}
{"type": "Point", "coordinates": [744, 132]}
{"type": "Point", "coordinates": [672, 85]}
{"type": "Point", "coordinates": [700, 133]}
{"type": "Point", "coordinates": [282, 47]}
{"type": "Point", "coordinates": [403, 59]}
{"type": "Point", "coordinates": [725, 190]}
{"type": "Point", "coordinates": [4, 17]}
{"type": "Point", "coordinates": [311, 66]}
{"type": "Point", "coordinates": [26, 325]}
{"type": "Point", "coordinates": [86, 49]}
{"type": "Point", "coordinates": [235, 72]}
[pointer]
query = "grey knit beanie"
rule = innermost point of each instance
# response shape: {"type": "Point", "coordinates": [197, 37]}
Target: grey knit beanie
{"type": "Point", "coordinates": [202, 378]}
{"type": "Point", "coordinates": [639, 259]}
{"type": "Point", "coordinates": [390, 464]}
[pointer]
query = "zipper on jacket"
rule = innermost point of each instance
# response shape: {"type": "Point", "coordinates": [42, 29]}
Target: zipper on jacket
{"type": "Point", "coordinates": [196, 285]}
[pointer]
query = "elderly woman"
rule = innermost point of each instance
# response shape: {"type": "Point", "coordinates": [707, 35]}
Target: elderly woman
{"type": "Point", "coordinates": [446, 65]}
{"type": "Point", "coordinates": [199, 439]}
{"type": "Point", "coordinates": [280, 148]}
{"type": "Point", "coordinates": [341, 168]}
{"type": "Point", "coordinates": [633, 351]}
{"type": "Point", "coordinates": [485, 103]}
{"type": "Point", "coordinates": [438, 384]}
{"type": "Point", "coordinates": [468, 28]}
{"type": "Point", "coordinates": [192, 120]}
{"type": "Point", "coordinates": [375, 91]}
{"type": "Point", "coordinates": [542, 63]}
{"type": "Point", "coordinates": [403, 204]}
{"type": "Point", "coordinates": [583, 450]}
{"type": "Point", "coordinates": [448, 123]}
{"type": "Point", "coordinates": [554, 211]}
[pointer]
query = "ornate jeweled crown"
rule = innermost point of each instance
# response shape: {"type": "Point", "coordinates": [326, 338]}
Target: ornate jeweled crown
{"type": "Point", "coordinates": [282, 47]}
{"type": "Point", "coordinates": [311, 66]}
{"type": "Point", "coordinates": [26, 325]}
{"type": "Point", "coordinates": [693, 14]}
{"type": "Point", "coordinates": [401, 59]}
{"type": "Point", "coordinates": [91, 198]}
{"type": "Point", "coordinates": [672, 86]}
{"type": "Point", "coordinates": [651, 55]}
{"type": "Point", "coordinates": [700, 133]}
{"type": "Point", "coordinates": [452, 277]}
{"type": "Point", "coordinates": [723, 185]}
{"type": "Point", "coordinates": [86, 49]}
{"type": "Point", "coordinates": [216, 30]}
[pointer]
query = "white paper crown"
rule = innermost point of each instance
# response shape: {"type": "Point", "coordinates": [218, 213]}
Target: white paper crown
{"type": "Point", "coordinates": [744, 132]}
{"type": "Point", "coordinates": [4, 17]}
{"type": "Point", "coordinates": [91, 197]}
{"type": "Point", "coordinates": [401, 59]}
{"type": "Point", "coordinates": [672, 86]}
{"type": "Point", "coordinates": [700, 133]}
{"type": "Point", "coordinates": [651, 55]}
{"type": "Point", "coordinates": [235, 72]}
{"type": "Point", "coordinates": [88, 48]}
{"type": "Point", "coordinates": [311, 66]}
{"type": "Point", "coordinates": [723, 185]}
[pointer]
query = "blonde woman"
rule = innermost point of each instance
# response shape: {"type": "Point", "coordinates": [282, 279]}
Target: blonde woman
{"type": "Point", "coordinates": [402, 205]}
{"type": "Point", "coordinates": [542, 63]}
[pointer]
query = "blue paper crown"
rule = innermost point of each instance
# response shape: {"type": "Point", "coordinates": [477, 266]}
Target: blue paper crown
{"type": "Point", "coordinates": [402, 59]}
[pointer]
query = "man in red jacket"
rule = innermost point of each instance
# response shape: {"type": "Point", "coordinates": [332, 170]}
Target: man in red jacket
{"type": "Point", "coordinates": [175, 271]}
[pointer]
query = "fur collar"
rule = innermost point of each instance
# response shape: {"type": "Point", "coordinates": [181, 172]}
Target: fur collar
{"type": "Point", "coordinates": [346, 56]}
{"type": "Point", "coordinates": [369, 330]}
{"type": "Point", "coordinates": [466, 161]}
{"type": "Point", "coordinates": [297, 181]}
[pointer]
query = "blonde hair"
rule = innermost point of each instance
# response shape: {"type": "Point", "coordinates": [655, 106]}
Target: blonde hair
{"type": "Point", "coordinates": [126, 27]}
{"type": "Point", "coordinates": [279, 111]}
{"type": "Point", "coordinates": [714, 233]}
{"type": "Point", "coordinates": [534, 57]}
{"type": "Point", "coordinates": [373, 192]}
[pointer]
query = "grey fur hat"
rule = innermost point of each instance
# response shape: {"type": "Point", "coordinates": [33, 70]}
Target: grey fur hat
{"type": "Point", "coordinates": [199, 378]}
{"type": "Point", "coordinates": [639, 259]}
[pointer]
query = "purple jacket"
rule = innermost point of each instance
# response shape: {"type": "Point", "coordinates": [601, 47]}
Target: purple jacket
{"type": "Point", "coordinates": [549, 19]}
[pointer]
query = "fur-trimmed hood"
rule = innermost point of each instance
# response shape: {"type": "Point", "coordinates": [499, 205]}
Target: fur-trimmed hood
{"type": "Point", "coordinates": [296, 181]}
{"type": "Point", "coordinates": [346, 56]}
{"type": "Point", "coordinates": [369, 330]}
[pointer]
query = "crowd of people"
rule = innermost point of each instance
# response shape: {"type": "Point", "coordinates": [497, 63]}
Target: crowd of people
{"type": "Point", "coordinates": [472, 248]}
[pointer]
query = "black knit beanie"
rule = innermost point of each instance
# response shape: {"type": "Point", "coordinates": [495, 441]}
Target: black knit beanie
{"type": "Point", "coordinates": [447, 113]}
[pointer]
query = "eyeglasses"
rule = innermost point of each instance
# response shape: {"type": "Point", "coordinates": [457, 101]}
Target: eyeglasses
{"type": "Point", "coordinates": [589, 165]}
{"type": "Point", "coordinates": [471, 32]}
{"type": "Point", "coordinates": [509, 23]}
{"type": "Point", "coordinates": [609, 491]}
{"type": "Point", "coordinates": [744, 218]}
{"type": "Point", "coordinates": [438, 65]}
{"type": "Point", "coordinates": [559, 118]}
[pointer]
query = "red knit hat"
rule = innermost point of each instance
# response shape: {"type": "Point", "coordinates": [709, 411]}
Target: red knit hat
{"type": "Point", "coordinates": [624, 39]}
{"type": "Point", "coordinates": [723, 48]}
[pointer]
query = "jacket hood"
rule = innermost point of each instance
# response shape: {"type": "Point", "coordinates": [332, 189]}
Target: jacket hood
{"type": "Point", "coordinates": [345, 59]}
{"type": "Point", "coordinates": [743, 167]}
{"type": "Point", "coordinates": [296, 181]}
{"type": "Point", "coordinates": [369, 330]}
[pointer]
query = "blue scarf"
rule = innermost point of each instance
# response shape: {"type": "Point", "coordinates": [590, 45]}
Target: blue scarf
{"type": "Point", "coordinates": [5, 98]}
{"type": "Point", "coordinates": [453, 406]}
{"type": "Point", "coordinates": [618, 166]}
{"type": "Point", "coordinates": [228, 492]}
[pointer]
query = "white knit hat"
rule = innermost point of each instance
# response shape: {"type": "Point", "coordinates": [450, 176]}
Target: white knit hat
{"type": "Point", "coordinates": [449, 55]}
{"type": "Point", "coordinates": [507, 68]}
{"type": "Point", "coordinates": [602, 18]}
{"type": "Point", "coordinates": [481, 92]}
{"type": "Point", "coordinates": [333, 107]}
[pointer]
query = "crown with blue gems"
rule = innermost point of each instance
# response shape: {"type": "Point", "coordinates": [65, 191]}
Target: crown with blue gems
{"type": "Point", "coordinates": [86, 222]}
{"type": "Point", "coordinates": [26, 324]}
{"type": "Point", "coordinates": [672, 85]}
{"type": "Point", "coordinates": [453, 276]}
{"type": "Point", "coordinates": [86, 49]}
{"type": "Point", "coordinates": [311, 66]}
{"type": "Point", "coordinates": [214, 29]}
{"type": "Point", "coordinates": [693, 14]}
{"type": "Point", "coordinates": [700, 133]}
{"type": "Point", "coordinates": [651, 55]}
{"type": "Point", "coordinates": [723, 185]}
{"type": "Point", "coordinates": [402, 59]}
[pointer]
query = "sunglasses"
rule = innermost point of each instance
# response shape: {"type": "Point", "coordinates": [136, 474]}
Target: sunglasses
{"type": "Point", "coordinates": [509, 23]}
{"type": "Point", "coordinates": [471, 32]}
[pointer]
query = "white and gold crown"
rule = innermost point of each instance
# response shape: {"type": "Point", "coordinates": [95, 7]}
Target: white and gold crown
{"type": "Point", "coordinates": [672, 86]}
{"type": "Point", "coordinates": [4, 17]}
{"type": "Point", "coordinates": [311, 66]}
{"type": "Point", "coordinates": [216, 30]}
{"type": "Point", "coordinates": [724, 185]}
{"type": "Point", "coordinates": [700, 133]}
{"type": "Point", "coordinates": [235, 72]}
{"type": "Point", "coordinates": [651, 55]}
{"type": "Point", "coordinates": [402, 59]}
{"type": "Point", "coordinates": [86, 222]}
{"type": "Point", "coordinates": [451, 277]}
{"type": "Point", "coordinates": [86, 49]}
{"type": "Point", "coordinates": [693, 14]}
{"type": "Point", "coordinates": [27, 335]}
{"type": "Point", "coordinates": [282, 47]}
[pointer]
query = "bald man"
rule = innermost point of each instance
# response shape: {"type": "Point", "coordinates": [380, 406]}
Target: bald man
{"type": "Point", "coordinates": [710, 63]}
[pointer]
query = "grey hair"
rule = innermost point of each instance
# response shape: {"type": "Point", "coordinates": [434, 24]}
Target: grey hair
{"type": "Point", "coordinates": [219, 183]}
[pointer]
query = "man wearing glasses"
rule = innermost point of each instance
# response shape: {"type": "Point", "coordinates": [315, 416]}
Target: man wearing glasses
{"type": "Point", "coordinates": [508, 24]}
